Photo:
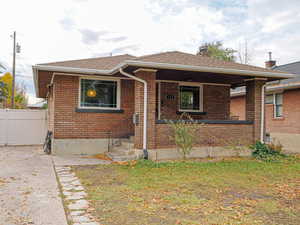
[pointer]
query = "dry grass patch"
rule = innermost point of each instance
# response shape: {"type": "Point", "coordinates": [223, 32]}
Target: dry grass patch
{"type": "Point", "coordinates": [225, 192]}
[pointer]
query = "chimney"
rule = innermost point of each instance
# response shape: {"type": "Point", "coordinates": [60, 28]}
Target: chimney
{"type": "Point", "coordinates": [269, 64]}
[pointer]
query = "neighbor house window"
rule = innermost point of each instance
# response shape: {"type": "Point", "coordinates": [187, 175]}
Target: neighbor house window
{"type": "Point", "coordinates": [278, 105]}
{"type": "Point", "coordinates": [99, 93]}
{"type": "Point", "coordinates": [190, 98]}
{"type": "Point", "coordinates": [269, 99]}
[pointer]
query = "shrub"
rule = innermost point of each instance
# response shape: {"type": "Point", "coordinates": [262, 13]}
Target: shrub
{"type": "Point", "coordinates": [265, 152]}
{"type": "Point", "coordinates": [276, 145]}
{"type": "Point", "coordinates": [184, 133]}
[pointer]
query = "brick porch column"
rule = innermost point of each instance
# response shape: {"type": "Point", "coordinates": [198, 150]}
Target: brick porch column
{"type": "Point", "coordinates": [149, 76]}
{"type": "Point", "coordinates": [254, 105]}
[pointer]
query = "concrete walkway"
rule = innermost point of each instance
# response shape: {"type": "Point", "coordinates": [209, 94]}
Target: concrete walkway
{"type": "Point", "coordinates": [28, 188]}
{"type": "Point", "coordinates": [29, 191]}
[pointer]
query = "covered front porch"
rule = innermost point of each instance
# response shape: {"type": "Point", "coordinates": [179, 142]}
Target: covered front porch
{"type": "Point", "coordinates": [206, 98]}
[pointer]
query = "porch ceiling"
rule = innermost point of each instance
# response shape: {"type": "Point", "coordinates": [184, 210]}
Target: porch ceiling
{"type": "Point", "coordinates": [202, 77]}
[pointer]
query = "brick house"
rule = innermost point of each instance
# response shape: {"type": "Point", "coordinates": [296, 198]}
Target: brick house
{"type": "Point", "coordinates": [94, 101]}
{"type": "Point", "coordinates": [282, 106]}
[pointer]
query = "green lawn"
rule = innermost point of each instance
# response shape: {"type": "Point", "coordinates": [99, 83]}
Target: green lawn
{"type": "Point", "coordinates": [240, 191]}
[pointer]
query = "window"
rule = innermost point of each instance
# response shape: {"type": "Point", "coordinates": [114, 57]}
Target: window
{"type": "Point", "coordinates": [190, 98]}
{"type": "Point", "coordinates": [269, 99]}
{"type": "Point", "coordinates": [278, 105]}
{"type": "Point", "coordinates": [99, 93]}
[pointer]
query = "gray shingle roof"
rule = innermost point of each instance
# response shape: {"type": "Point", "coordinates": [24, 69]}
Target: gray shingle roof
{"type": "Point", "coordinates": [173, 57]}
{"type": "Point", "coordinates": [293, 68]}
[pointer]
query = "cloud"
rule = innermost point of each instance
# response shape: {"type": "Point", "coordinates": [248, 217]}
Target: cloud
{"type": "Point", "coordinates": [67, 23]}
{"type": "Point", "coordinates": [125, 49]}
{"type": "Point", "coordinates": [115, 39]}
{"type": "Point", "coordinates": [72, 29]}
{"type": "Point", "coordinates": [91, 37]}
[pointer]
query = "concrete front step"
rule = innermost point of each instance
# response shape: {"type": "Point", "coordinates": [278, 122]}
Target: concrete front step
{"type": "Point", "coordinates": [122, 156]}
{"type": "Point", "coordinates": [122, 142]}
{"type": "Point", "coordinates": [122, 150]}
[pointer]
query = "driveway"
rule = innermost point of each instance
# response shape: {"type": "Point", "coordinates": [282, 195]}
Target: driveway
{"type": "Point", "coordinates": [29, 192]}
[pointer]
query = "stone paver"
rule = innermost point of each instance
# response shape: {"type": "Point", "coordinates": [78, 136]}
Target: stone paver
{"type": "Point", "coordinates": [77, 213]}
{"type": "Point", "coordinates": [74, 193]}
{"type": "Point", "coordinates": [81, 219]}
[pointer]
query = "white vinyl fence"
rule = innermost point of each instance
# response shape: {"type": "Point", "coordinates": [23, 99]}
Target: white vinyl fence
{"type": "Point", "coordinates": [22, 127]}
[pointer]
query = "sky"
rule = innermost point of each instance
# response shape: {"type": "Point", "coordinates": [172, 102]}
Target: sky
{"type": "Point", "coordinates": [56, 30]}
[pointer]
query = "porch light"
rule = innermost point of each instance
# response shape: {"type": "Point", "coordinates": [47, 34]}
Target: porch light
{"type": "Point", "coordinates": [91, 93]}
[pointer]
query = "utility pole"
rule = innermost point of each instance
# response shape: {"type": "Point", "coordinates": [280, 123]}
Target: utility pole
{"type": "Point", "coordinates": [16, 49]}
{"type": "Point", "coordinates": [13, 73]}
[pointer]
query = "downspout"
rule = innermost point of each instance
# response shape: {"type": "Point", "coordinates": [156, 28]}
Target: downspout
{"type": "Point", "coordinates": [262, 125]}
{"type": "Point", "coordinates": [51, 84]}
{"type": "Point", "coordinates": [145, 109]}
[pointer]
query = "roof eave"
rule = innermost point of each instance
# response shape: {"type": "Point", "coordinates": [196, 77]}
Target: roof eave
{"type": "Point", "coordinates": [156, 65]}
{"type": "Point", "coordinates": [210, 69]}
{"type": "Point", "coordinates": [35, 81]}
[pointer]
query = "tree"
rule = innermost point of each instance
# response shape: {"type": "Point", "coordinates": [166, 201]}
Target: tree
{"type": "Point", "coordinates": [20, 92]}
{"type": "Point", "coordinates": [216, 50]}
{"type": "Point", "coordinates": [3, 93]}
{"type": "Point", "coordinates": [243, 53]}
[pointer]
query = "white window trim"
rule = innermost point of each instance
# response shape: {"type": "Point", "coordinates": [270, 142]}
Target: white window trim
{"type": "Point", "coordinates": [274, 105]}
{"type": "Point", "coordinates": [118, 80]}
{"type": "Point", "coordinates": [191, 84]}
{"type": "Point", "coordinates": [272, 100]}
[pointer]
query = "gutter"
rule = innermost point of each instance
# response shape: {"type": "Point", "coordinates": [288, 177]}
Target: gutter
{"type": "Point", "coordinates": [145, 109]}
{"type": "Point", "coordinates": [135, 63]}
{"type": "Point", "coordinates": [270, 89]}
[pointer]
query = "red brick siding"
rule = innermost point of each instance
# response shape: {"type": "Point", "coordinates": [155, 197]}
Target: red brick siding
{"type": "Point", "coordinates": [150, 77]}
{"type": "Point", "coordinates": [169, 107]}
{"type": "Point", "coordinates": [237, 107]}
{"type": "Point", "coordinates": [209, 135]}
{"type": "Point", "coordinates": [71, 124]}
{"type": "Point", "coordinates": [216, 102]}
{"type": "Point", "coordinates": [290, 123]}
{"type": "Point", "coordinates": [254, 105]}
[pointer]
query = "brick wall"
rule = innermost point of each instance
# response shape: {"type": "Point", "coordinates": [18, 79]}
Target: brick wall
{"type": "Point", "coordinates": [237, 107]}
{"type": "Point", "coordinates": [71, 124]}
{"type": "Point", "coordinates": [210, 135]}
{"type": "Point", "coordinates": [216, 102]}
{"type": "Point", "coordinates": [290, 123]}
{"type": "Point", "coordinates": [150, 77]}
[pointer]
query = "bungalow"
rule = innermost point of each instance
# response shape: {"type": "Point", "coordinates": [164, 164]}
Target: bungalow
{"type": "Point", "coordinates": [98, 103]}
{"type": "Point", "coordinates": [282, 106]}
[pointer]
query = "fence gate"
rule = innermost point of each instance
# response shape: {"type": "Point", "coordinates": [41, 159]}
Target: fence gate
{"type": "Point", "coordinates": [22, 127]}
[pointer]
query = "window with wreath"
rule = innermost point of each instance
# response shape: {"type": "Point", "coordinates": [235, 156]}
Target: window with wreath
{"type": "Point", "coordinates": [99, 93]}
